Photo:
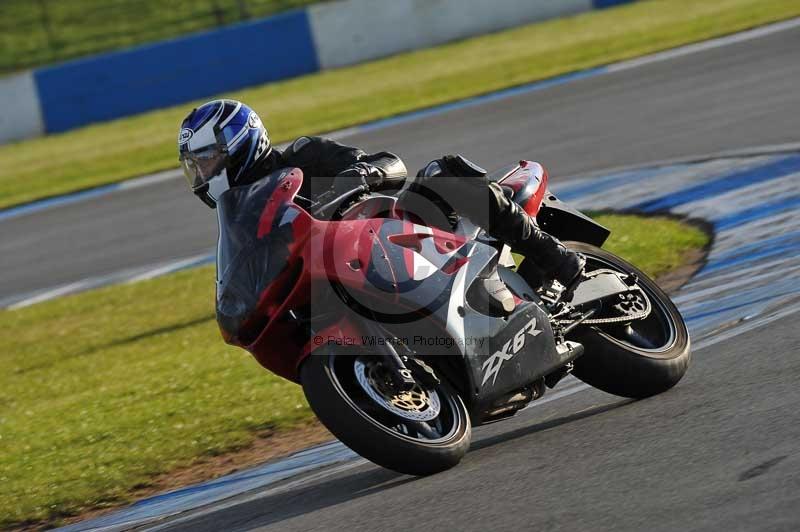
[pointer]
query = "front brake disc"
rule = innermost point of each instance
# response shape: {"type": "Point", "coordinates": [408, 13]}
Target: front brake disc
{"type": "Point", "coordinates": [415, 403]}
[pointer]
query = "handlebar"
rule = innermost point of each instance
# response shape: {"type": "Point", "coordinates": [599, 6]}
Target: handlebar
{"type": "Point", "coordinates": [339, 200]}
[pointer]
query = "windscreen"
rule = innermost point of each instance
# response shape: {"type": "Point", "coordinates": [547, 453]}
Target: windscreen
{"type": "Point", "coordinates": [246, 264]}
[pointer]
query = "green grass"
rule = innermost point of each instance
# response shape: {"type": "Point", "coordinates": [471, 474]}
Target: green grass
{"type": "Point", "coordinates": [101, 391]}
{"type": "Point", "coordinates": [105, 389]}
{"type": "Point", "coordinates": [655, 245]}
{"type": "Point", "coordinates": [38, 32]}
{"type": "Point", "coordinates": [326, 101]}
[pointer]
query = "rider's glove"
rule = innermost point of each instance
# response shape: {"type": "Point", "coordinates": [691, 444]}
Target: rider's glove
{"type": "Point", "coordinates": [370, 175]}
{"type": "Point", "coordinates": [348, 180]}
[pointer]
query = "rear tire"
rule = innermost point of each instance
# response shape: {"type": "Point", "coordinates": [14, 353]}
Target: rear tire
{"type": "Point", "coordinates": [612, 361]}
{"type": "Point", "coordinates": [366, 427]}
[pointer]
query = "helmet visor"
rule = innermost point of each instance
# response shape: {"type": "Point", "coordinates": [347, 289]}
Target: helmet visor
{"type": "Point", "coordinates": [200, 166]}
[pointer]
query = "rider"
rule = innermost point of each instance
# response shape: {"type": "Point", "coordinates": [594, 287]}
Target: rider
{"type": "Point", "coordinates": [224, 144]}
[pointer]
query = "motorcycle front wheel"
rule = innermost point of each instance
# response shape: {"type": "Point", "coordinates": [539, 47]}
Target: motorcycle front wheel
{"type": "Point", "coordinates": [420, 430]}
{"type": "Point", "coordinates": [640, 358]}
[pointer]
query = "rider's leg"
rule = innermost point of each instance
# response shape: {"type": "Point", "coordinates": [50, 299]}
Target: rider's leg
{"type": "Point", "coordinates": [505, 220]}
{"type": "Point", "coordinates": [473, 196]}
{"type": "Point", "coordinates": [486, 205]}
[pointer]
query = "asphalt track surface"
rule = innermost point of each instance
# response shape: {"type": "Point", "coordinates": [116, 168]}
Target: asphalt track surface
{"type": "Point", "coordinates": [735, 96]}
{"type": "Point", "coordinates": [718, 452]}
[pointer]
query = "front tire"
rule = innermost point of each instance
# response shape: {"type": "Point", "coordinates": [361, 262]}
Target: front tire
{"type": "Point", "coordinates": [639, 359]}
{"type": "Point", "coordinates": [336, 389]}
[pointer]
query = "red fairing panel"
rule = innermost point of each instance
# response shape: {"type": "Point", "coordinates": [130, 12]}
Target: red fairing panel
{"type": "Point", "coordinates": [279, 257]}
{"type": "Point", "coordinates": [529, 183]}
{"type": "Point", "coordinates": [298, 256]}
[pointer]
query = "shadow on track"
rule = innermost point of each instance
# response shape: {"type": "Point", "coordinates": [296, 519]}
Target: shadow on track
{"type": "Point", "coordinates": [545, 425]}
{"type": "Point", "coordinates": [278, 507]}
{"type": "Point", "coordinates": [275, 508]}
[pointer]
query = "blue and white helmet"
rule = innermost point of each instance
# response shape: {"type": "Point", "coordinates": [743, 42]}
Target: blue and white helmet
{"type": "Point", "coordinates": [219, 143]}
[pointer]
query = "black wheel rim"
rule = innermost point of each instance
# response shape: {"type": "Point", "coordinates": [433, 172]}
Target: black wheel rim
{"type": "Point", "coordinates": [654, 335]}
{"type": "Point", "coordinates": [441, 429]}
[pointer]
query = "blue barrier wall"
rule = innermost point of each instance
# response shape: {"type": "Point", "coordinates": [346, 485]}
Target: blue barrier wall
{"type": "Point", "coordinates": [602, 4]}
{"type": "Point", "coordinates": [172, 72]}
{"type": "Point", "coordinates": [327, 35]}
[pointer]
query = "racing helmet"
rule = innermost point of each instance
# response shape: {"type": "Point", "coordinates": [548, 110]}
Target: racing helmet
{"type": "Point", "coordinates": [218, 144]}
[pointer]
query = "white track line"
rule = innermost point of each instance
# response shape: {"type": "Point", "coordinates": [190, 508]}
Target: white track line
{"type": "Point", "coordinates": [52, 294]}
{"type": "Point", "coordinates": [735, 38]}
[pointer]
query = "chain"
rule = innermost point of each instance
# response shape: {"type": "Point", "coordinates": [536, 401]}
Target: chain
{"type": "Point", "coordinates": [619, 319]}
{"type": "Point", "coordinates": [627, 317]}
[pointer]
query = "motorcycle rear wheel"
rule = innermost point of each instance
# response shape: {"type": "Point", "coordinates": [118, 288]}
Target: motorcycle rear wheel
{"type": "Point", "coordinates": [370, 422]}
{"type": "Point", "coordinates": [638, 359]}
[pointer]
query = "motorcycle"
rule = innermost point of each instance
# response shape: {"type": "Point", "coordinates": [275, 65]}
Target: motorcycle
{"type": "Point", "coordinates": [404, 335]}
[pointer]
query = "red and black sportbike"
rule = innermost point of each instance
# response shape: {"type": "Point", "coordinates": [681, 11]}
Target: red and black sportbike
{"type": "Point", "coordinates": [404, 336]}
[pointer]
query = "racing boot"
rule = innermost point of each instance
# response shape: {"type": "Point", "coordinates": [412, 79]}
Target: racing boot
{"type": "Point", "coordinates": [511, 224]}
{"type": "Point", "coordinates": [487, 205]}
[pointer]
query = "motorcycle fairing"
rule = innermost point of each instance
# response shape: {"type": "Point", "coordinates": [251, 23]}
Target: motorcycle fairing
{"type": "Point", "coordinates": [567, 223]}
{"type": "Point", "coordinates": [498, 365]}
{"type": "Point", "coordinates": [247, 263]}
{"type": "Point", "coordinates": [275, 258]}
{"type": "Point", "coordinates": [527, 181]}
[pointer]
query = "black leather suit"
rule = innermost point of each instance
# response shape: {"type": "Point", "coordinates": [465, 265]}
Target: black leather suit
{"type": "Point", "coordinates": [327, 162]}
{"type": "Point", "coordinates": [333, 164]}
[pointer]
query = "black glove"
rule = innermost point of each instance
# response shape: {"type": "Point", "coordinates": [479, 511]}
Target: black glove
{"type": "Point", "coordinates": [371, 175]}
{"type": "Point", "coordinates": [352, 177]}
{"type": "Point", "coordinates": [452, 166]}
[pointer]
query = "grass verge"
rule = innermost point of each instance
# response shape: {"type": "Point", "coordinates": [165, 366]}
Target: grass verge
{"type": "Point", "coordinates": [330, 100]}
{"type": "Point", "coordinates": [102, 391]}
{"type": "Point", "coordinates": [36, 33]}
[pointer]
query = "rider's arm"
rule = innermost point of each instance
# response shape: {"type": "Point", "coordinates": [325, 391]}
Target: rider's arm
{"type": "Point", "coordinates": [322, 157]}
